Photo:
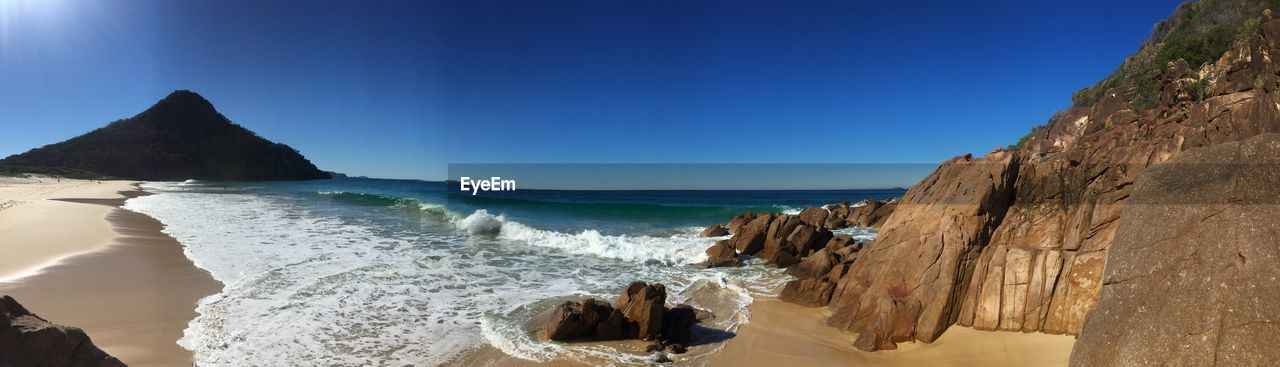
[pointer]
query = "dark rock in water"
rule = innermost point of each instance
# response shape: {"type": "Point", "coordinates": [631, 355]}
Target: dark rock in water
{"type": "Point", "coordinates": [180, 137]}
{"type": "Point", "coordinates": [28, 340]}
{"type": "Point", "coordinates": [640, 313]}
{"type": "Point", "coordinates": [714, 230]}
{"type": "Point", "coordinates": [807, 292]}
{"type": "Point", "coordinates": [589, 319]}
{"type": "Point", "coordinates": [676, 323]}
{"type": "Point", "coordinates": [750, 238]}
{"type": "Point", "coordinates": [643, 305]}
{"type": "Point", "coordinates": [1191, 276]}
{"type": "Point", "coordinates": [721, 254]}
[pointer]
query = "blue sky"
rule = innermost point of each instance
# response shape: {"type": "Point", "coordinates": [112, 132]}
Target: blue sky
{"type": "Point", "coordinates": [402, 89]}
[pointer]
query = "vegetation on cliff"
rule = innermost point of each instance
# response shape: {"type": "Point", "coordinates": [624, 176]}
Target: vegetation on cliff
{"type": "Point", "coordinates": [1198, 32]}
{"type": "Point", "coordinates": [181, 137]}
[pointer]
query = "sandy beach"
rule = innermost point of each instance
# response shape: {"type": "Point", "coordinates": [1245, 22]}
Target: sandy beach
{"type": "Point", "coordinates": [81, 261]}
{"type": "Point", "coordinates": [784, 334]}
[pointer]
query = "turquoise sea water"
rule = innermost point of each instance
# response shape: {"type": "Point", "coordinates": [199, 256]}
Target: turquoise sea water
{"type": "Point", "coordinates": [402, 272]}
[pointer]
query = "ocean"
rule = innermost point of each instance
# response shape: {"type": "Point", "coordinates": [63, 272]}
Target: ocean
{"type": "Point", "coordinates": [403, 272]}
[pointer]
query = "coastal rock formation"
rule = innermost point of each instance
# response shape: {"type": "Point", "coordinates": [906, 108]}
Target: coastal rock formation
{"type": "Point", "coordinates": [639, 313]}
{"type": "Point", "coordinates": [749, 238]}
{"type": "Point", "coordinates": [906, 285]}
{"type": "Point", "coordinates": [1191, 275]}
{"type": "Point", "coordinates": [714, 230]}
{"type": "Point", "coordinates": [1018, 240]}
{"type": "Point", "coordinates": [721, 254]}
{"type": "Point", "coordinates": [589, 319]}
{"type": "Point", "coordinates": [818, 273]}
{"type": "Point", "coordinates": [868, 213]}
{"type": "Point", "coordinates": [29, 340]}
{"type": "Point", "coordinates": [643, 305]}
{"type": "Point", "coordinates": [180, 137]}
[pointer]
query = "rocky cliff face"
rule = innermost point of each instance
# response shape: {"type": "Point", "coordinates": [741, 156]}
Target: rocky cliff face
{"type": "Point", "coordinates": [1018, 240]}
{"type": "Point", "coordinates": [1190, 278]}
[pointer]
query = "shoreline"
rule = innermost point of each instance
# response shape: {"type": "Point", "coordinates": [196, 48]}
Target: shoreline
{"type": "Point", "coordinates": [129, 285]}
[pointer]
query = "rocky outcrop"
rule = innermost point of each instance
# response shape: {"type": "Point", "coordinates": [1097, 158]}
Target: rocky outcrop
{"type": "Point", "coordinates": [714, 230]}
{"type": "Point", "coordinates": [868, 213]}
{"type": "Point", "coordinates": [749, 238]}
{"type": "Point", "coordinates": [643, 306]}
{"type": "Point", "coordinates": [817, 275]}
{"type": "Point", "coordinates": [1035, 262]}
{"type": "Point", "coordinates": [29, 340]}
{"type": "Point", "coordinates": [907, 285]}
{"type": "Point", "coordinates": [639, 313]}
{"type": "Point", "coordinates": [589, 319]}
{"type": "Point", "coordinates": [722, 254]}
{"type": "Point", "coordinates": [1190, 279]}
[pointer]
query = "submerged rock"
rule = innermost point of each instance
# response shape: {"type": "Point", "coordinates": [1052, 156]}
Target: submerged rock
{"type": "Point", "coordinates": [29, 340]}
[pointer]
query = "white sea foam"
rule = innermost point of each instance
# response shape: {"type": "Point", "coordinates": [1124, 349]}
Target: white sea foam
{"type": "Point", "coordinates": [862, 234]}
{"type": "Point", "coordinates": [673, 250]}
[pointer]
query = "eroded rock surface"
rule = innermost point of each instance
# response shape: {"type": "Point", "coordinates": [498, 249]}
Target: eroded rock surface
{"type": "Point", "coordinates": [1191, 279]}
{"type": "Point", "coordinates": [906, 285]}
{"type": "Point", "coordinates": [1040, 266]}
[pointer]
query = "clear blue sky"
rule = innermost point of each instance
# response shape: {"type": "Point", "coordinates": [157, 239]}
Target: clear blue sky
{"type": "Point", "coordinates": [401, 89]}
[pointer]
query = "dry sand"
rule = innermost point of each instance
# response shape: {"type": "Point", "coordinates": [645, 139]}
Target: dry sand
{"type": "Point", "coordinates": [81, 261]}
{"type": "Point", "coordinates": [784, 334]}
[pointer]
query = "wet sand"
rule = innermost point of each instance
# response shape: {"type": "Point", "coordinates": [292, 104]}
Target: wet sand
{"type": "Point", "coordinates": [106, 270]}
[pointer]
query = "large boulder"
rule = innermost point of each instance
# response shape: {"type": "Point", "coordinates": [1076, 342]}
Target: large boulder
{"type": "Point", "coordinates": [29, 340]}
{"type": "Point", "coordinates": [722, 254]}
{"type": "Point", "coordinates": [807, 292]}
{"type": "Point", "coordinates": [750, 238]}
{"type": "Point", "coordinates": [589, 319]}
{"type": "Point", "coordinates": [868, 213]}
{"type": "Point", "coordinates": [814, 216]}
{"type": "Point", "coordinates": [676, 322]}
{"type": "Point", "coordinates": [815, 266]}
{"type": "Point", "coordinates": [1191, 277]}
{"type": "Point", "coordinates": [805, 239]}
{"type": "Point", "coordinates": [776, 237]}
{"type": "Point", "coordinates": [907, 282]}
{"type": "Point", "coordinates": [639, 313]}
{"type": "Point", "coordinates": [737, 222]}
{"type": "Point", "coordinates": [643, 306]}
